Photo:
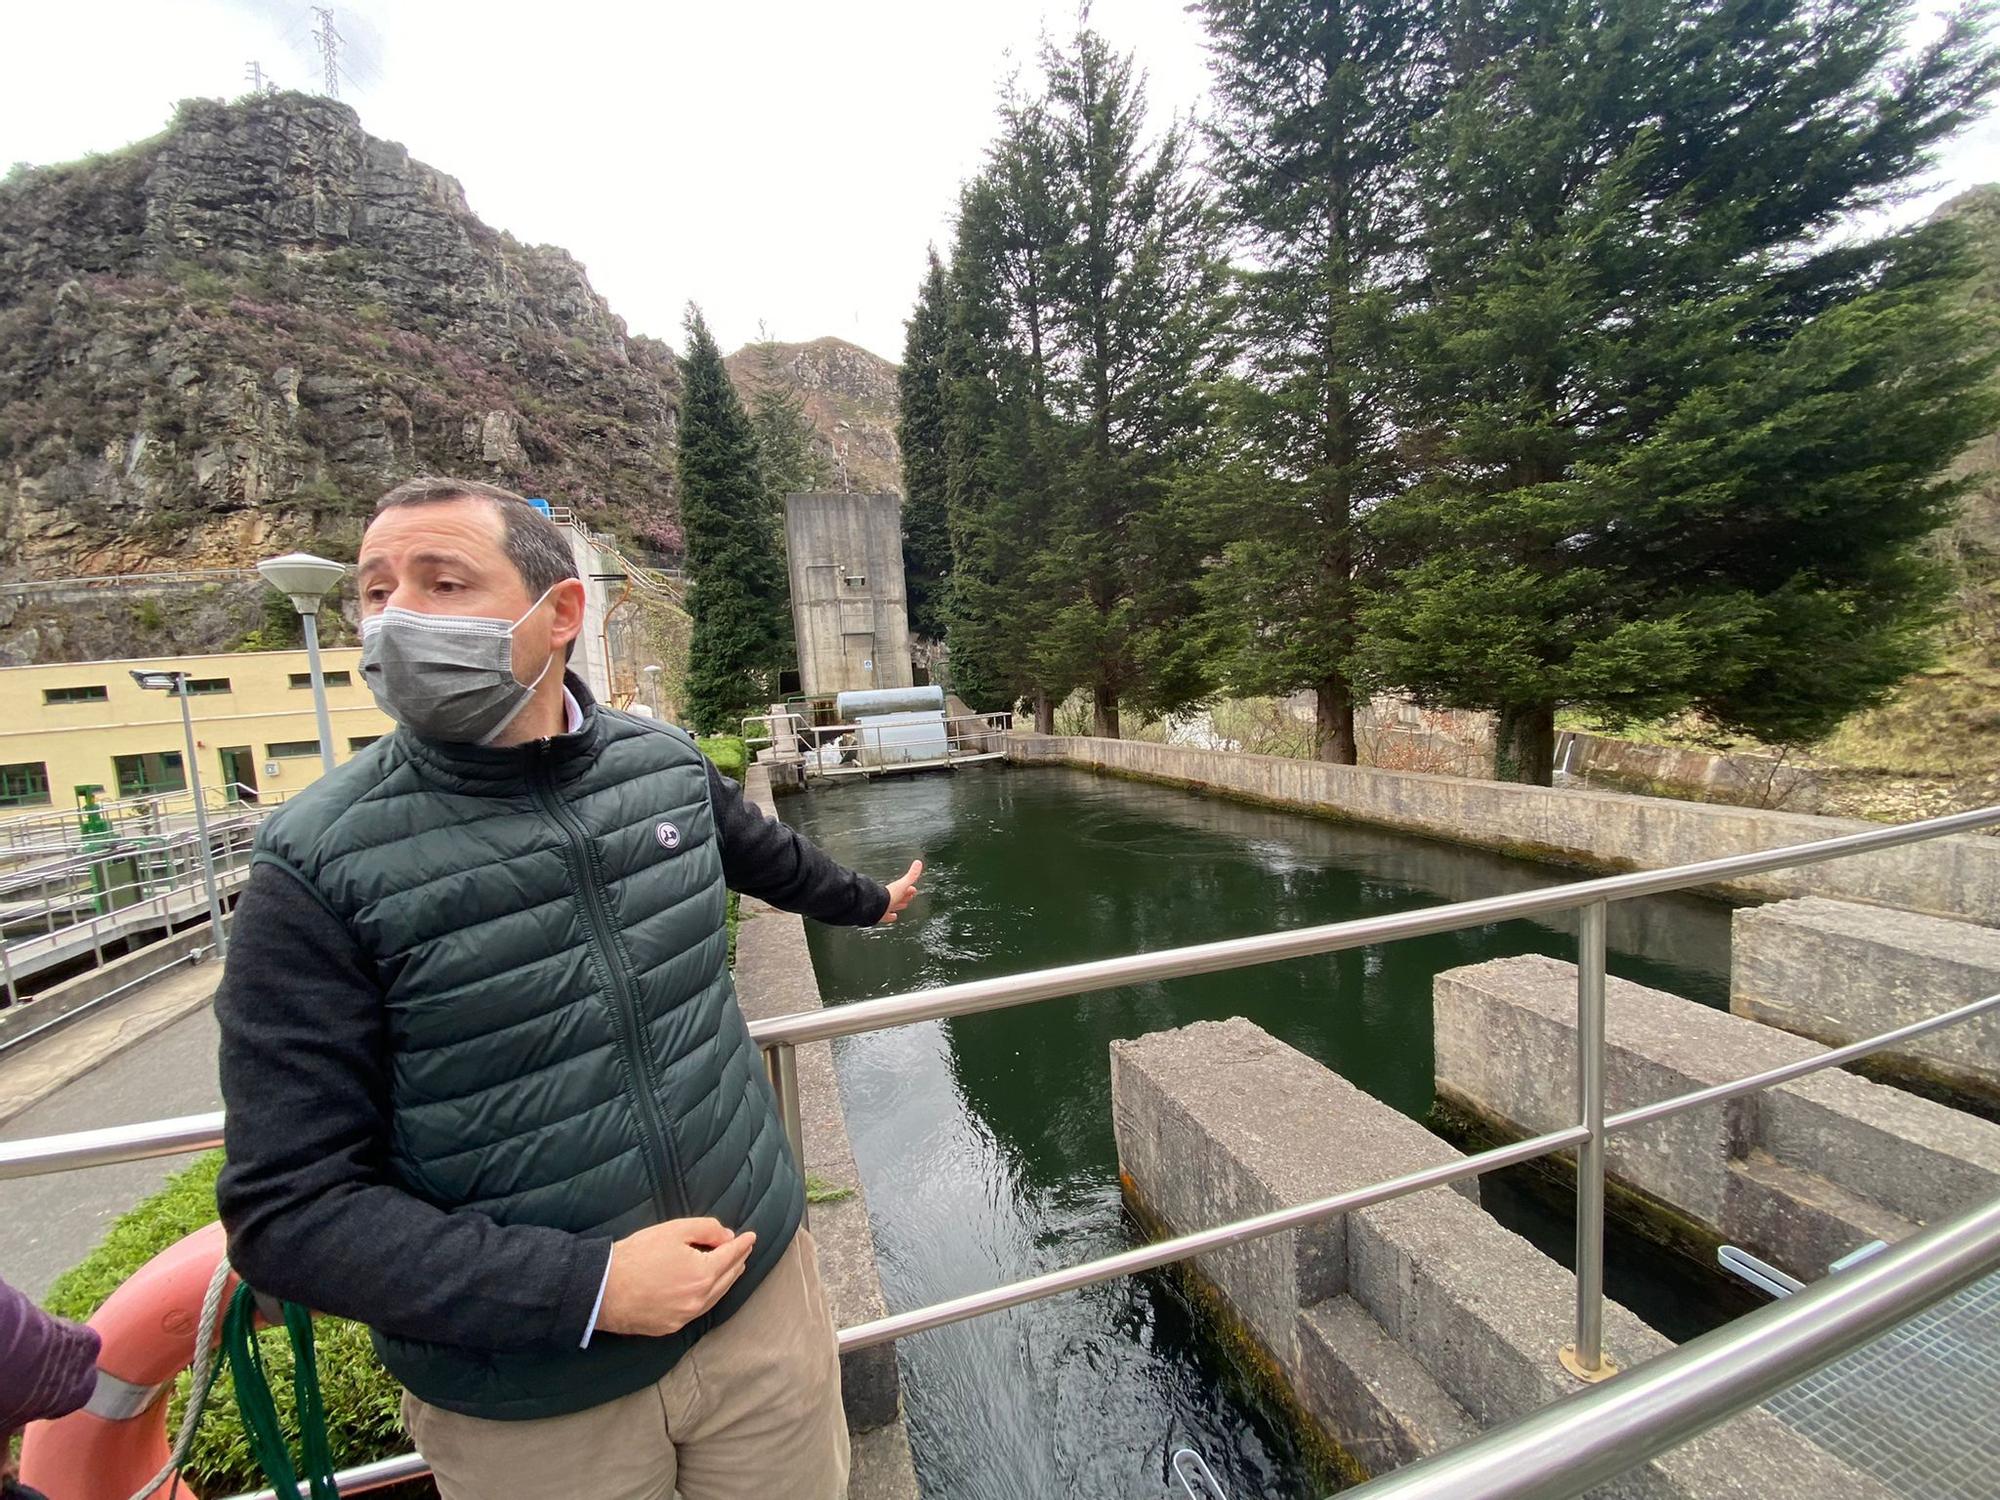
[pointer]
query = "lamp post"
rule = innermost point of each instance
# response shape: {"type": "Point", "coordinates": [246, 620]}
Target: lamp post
{"type": "Point", "coordinates": [307, 580]}
{"type": "Point", "coordinates": [175, 684]}
{"type": "Point", "coordinates": [653, 688]}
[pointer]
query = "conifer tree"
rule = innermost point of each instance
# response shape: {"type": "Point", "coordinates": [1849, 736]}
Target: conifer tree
{"type": "Point", "coordinates": [920, 434]}
{"type": "Point", "coordinates": [1680, 443]}
{"type": "Point", "coordinates": [1135, 325]}
{"type": "Point", "coordinates": [1316, 111]}
{"type": "Point", "coordinates": [736, 588]}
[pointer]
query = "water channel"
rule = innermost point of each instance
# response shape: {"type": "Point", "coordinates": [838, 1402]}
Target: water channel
{"type": "Point", "coordinates": [985, 1143]}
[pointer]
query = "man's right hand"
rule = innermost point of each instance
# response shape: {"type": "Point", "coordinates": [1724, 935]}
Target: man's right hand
{"type": "Point", "coordinates": [664, 1277]}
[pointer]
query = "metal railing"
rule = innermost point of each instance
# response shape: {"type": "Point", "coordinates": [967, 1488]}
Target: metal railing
{"type": "Point", "coordinates": [863, 749]}
{"type": "Point", "coordinates": [1899, 1284]}
{"type": "Point", "coordinates": [51, 832]}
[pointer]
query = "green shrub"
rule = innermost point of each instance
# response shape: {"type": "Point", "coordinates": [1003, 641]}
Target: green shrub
{"type": "Point", "coordinates": [361, 1397]}
{"type": "Point", "coordinates": [730, 754]}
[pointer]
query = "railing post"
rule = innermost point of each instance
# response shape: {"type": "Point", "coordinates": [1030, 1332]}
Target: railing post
{"type": "Point", "coordinates": [781, 1062]}
{"type": "Point", "coordinates": [1585, 1358]}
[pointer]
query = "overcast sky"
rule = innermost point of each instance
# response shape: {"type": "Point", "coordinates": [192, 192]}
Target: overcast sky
{"type": "Point", "coordinates": [782, 163]}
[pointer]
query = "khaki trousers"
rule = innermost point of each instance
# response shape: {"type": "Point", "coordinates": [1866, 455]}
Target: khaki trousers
{"type": "Point", "coordinates": [752, 1412]}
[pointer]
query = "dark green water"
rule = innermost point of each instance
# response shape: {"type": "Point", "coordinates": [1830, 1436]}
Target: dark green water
{"type": "Point", "coordinates": [985, 1143]}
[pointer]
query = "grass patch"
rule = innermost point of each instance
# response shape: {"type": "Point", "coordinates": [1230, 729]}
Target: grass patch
{"type": "Point", "coordinates": [819, 1190]}
{"type": "Point", "coordinates": [361, 1397]}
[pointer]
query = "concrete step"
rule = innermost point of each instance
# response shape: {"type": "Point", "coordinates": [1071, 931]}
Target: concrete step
{"type": "Point", "coordinates": [1772, 1203]}
{"type": "Point", "coordinates": [1369, 1394]}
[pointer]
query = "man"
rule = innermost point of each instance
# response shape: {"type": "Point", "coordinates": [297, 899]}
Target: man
{"type": "Point", "coordinates": [488, 1090]}
{"type": "Point", "coordinates": [48, 1368]}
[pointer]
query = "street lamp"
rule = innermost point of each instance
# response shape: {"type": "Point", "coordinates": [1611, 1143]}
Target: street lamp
{"type": "Point", "coordinates": [653, 688]}
{"type": "Point", "coordinates": [308, 579]}
{"type": "Point", "coordinates": [175, 684]}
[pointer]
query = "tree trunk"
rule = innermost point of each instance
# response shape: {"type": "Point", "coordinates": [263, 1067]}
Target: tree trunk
{"type": "Point", "coordinates": [1524, 744]}
{"type": "Point", "coordinates": [1333, 731]}
{"type": "Point", "coordinates": [1104, 712]}
{"type": "Point", "coordinates": [1045, 712]}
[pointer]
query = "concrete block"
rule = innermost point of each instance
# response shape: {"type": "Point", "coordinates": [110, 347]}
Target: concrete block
{"type": "Point", "coordinates": [1369, 1394]}
{"type": "Point", "coordinates": [1801, 1173]}
{"type": "Point", "coordinates": [1840, 972]}
{"type": "Point", "coordinates": [1209, 1120]}
{"type": "Point", "coordinates": [1444, 1321]}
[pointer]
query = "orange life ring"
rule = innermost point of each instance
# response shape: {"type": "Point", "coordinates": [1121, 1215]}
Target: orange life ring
{"type": "Point", "coordinates": [119, 1441]}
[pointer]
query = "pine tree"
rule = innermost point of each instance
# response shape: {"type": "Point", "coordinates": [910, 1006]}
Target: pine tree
{"type": "Point", "coordinates": [1317, 107]}
{"type": "Point", "coordinates": [920, 434]}
{"type": "Point", "coordinates": [736, 592]}
{"type": "Point", "coordinates": [1679, 445]}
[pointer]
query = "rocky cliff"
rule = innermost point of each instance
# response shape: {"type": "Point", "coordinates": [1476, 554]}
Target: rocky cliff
{"type": "Point", "coordinates": [848, 394]}
{"type": "Point", "coordinates": [227, 340]}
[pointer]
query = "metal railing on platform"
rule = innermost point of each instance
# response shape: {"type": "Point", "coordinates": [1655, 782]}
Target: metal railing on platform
{"type": "Point", "coordinates": [1638, 1416]}
{"type": "Point", "coordinates": [863, 749]}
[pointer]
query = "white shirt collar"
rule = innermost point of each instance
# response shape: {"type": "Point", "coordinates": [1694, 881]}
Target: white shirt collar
{"type": "Point", "coordinates": [572, 713]}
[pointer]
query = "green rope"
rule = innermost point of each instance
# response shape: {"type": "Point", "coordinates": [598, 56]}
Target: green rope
{"type": "Point", "coordinates": [260, 1411]}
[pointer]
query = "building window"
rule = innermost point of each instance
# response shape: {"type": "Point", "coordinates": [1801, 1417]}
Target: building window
{"type": "Point", "coordinates": [96, 694]}
{"type": "Point", "coordinates": [24, 785]}
{"type": "Point", "coordinates": [857, 580]}
{"type": "Point", "coordinates": [197, 686]}
{"type": "Point", "coordinates": [333, 679]}
{"type": "Point", "coordinates": [362, 741]}
{"type": "Point", "coordinates": [291, 750]}
{"type": "Point", "coordinates": [143, 775]}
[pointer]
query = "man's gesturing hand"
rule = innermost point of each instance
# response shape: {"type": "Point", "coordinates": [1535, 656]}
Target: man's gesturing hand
{"type": "Point", "coordinates": [664, 1277]}
{"type": "Point", "coordinates": [900, 891]}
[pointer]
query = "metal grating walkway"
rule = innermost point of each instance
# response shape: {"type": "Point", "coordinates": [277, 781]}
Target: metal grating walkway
{"type": "Point", "coordinates": [1919, 1407]}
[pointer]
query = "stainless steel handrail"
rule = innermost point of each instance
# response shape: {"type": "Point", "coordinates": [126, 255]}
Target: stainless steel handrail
{"type": "Point", "coordinates": [978, 995]}
{"type": "Point", "coordinates": [1577, 1443]}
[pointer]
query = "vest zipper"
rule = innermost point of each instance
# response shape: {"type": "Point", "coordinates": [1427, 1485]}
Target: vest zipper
{"type": "Point", "coordinates": [625, 1007]}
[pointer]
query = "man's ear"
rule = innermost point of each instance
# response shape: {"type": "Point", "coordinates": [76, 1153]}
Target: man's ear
{"type": "Point", "coordinates": [566, 624]}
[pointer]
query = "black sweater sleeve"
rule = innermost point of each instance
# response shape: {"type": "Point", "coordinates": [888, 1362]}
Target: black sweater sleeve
{"type": "Point", "coordinates": [761, 857]}
{"type": "Point", "coordinates": [311, 1213]}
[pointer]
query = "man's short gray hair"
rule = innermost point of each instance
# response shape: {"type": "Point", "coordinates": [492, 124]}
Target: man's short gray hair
{"type": "Point", "coordinates": [537, 550]}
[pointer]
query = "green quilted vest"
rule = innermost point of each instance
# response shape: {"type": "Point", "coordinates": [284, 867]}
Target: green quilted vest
{"type": "Point", "coordinates": [546, 922]}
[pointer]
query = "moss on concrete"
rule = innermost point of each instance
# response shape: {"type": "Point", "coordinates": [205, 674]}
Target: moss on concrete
{"type": "Point", "coordinates": [1330, 1467]}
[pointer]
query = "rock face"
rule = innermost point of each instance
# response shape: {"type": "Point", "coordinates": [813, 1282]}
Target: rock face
{"type": "Point", "coordinates": [848, 394]}
{"type": "Point", "coordinates": [227, 340]}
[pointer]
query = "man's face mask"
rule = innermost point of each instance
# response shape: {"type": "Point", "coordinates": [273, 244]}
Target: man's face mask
{"type": "Point", "coordinates": [447, 677]}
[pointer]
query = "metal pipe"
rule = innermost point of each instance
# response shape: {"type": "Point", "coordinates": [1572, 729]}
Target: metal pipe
{"type": "Point", "coordinates": [110, 1143]}
{"type": "Point", "coordinates": [781, 1063]}
{"type": "Point", "coordinates": [1583, 1441]}
{"type": "Point", "coordinates": [1646, 1114]}
{"type": "Point", "coordinates": [362, 1478]}
{"type": "Point", "coordinates": [200, 820]}
{"type": "Point", "coordinates": [1165, 1252]}
{"type": "Point", "coordinates": [1305, 942]}
{"type": "Point", "coordinates": [310, 619]}
{"type": "Point", "coordinates": [1585, 1358]}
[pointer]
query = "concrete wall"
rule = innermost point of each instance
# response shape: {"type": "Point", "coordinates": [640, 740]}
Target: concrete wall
{"type": "Point", "coordinates": [1840, 973]}
{"type": "Point", "coordinates": [1954, 877]}
{"type": "Point", "coordinates": [774, 976]}
{"type": "Point", "coordinates": [1800, 1174]}
{"type": "Point", "coordinates": [1398, 1330]}
{"type": "Point", "coordinates": [850, 615]}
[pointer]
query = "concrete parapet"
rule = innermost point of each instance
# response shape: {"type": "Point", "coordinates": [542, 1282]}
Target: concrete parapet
{"type": "Point", "coordinates": [1839, 972]}
{"type": "Point", "coordinates": [1800, 1173]}
{"type": "Point", "coordinates": [1951, 877]}
{"type": "Point", "coordinates": [774, 976]}
{"type": "Point", "coordinates": [1404, 1328]}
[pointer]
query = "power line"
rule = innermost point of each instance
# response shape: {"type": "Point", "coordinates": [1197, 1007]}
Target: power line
{"type": "Point", "coordinates": [328, 41]}
{"type": "Point", "coordinates": [260, 81]}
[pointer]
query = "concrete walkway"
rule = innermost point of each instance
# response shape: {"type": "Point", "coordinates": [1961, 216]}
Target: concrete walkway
{"type": "Point", "coordinates": [149, 1058]}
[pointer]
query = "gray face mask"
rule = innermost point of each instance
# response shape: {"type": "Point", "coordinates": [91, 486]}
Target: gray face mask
{"type": "Point", "coordinates": [447, 677]}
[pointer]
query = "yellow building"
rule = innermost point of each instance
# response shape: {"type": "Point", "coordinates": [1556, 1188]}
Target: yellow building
{"type": "Point", "coordinates": [71, 724]}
